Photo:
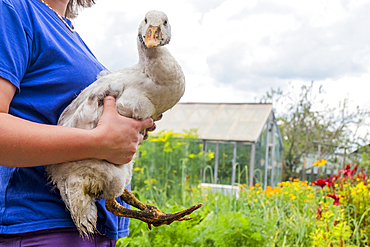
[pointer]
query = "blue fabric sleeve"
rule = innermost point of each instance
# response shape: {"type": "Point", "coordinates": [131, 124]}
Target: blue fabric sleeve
{"type": "Point", "coordinates": [15, 44]}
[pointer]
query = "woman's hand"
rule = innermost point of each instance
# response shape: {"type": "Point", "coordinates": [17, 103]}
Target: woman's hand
{"type": "Point", "coordinates": [119, 136]}
{"type": "Point", "coordinates": [153, 127]}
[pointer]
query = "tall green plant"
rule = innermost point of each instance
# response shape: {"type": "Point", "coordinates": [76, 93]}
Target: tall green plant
{"type": "Point", "coordinates": [167, 164]}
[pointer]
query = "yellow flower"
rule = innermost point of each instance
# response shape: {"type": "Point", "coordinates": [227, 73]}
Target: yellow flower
{"type": "Point", "coordinates": [305, 200]}
{"type": "Point", "coordinates": [249, 201]}
{"type": "Point", "coordinates": [322, 162]}
{"type": "Point", "coordinates": [256, 200]}
{"type": "Point", "coordinates": [257, 185]}
{"type": "Point", "coordinates": [290, 178]}
{"type": "Point", "coordinates": [294, 197]}
{"type": "Point", "coordinates": [250, 195]}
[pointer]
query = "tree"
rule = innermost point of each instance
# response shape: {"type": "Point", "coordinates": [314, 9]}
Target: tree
{"type": "Point", "coordinates": [304, 121]}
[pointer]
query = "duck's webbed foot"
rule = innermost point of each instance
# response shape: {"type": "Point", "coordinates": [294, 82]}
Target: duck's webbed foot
{"type": "Point", "coordinates": [148, 213]}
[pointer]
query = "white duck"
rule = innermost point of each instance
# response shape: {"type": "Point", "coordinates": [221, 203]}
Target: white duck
{"type": "Point", "coordinates": [149, 88]}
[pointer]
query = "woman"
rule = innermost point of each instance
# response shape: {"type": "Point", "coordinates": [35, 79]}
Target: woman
{"type": "Point", "coordinates": [44, 64]}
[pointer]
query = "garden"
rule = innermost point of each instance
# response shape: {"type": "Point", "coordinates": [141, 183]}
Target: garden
{"type": "Point", "coordinates": [329, 212]}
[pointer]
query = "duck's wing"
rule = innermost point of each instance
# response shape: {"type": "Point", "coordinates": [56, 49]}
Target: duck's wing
{"type": "Point", "coordinates": [84, 112]}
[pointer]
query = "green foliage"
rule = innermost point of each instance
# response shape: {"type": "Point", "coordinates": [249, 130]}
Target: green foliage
{"type": "Point", "coordinates": [217, 224]}
{"type": "Point", "coordinates": [167, 175]}
{"type": "Point", "coordinates": [230, 229]}
{"type": "Point", "coordinates": [167, 164]}
{"type": "Point", "coordinates": [294, 214]}
{"type": "Point", "coordinates": [365, 160]}
{"type": "Point", "coordinates": [255, 219]}
{"type": "Point", "coordinates": [332, 229]}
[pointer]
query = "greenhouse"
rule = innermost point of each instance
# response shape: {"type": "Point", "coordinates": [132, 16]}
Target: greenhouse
{"type": "Point", "coordinates": [244, 138]}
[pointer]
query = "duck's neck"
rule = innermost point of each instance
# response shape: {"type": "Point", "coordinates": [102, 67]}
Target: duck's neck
{"type": "Point", "coordinates": [146, 54]}
{"type": "Point", "coordinates": [153, 62]}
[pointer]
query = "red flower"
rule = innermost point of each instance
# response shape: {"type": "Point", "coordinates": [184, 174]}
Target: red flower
{"type": "Point", "coordinates": [335, 197]}
{"type": "Point", "coordinates": [346, 171]}
{"type": "Point", "coordinates": [352, 171]}
{"type": "Point", "coordinates": [330, 182]}
{"type": "Point", "coordinates": [322, 182]}
{"type": "Point", "coordinates": [336, 177]}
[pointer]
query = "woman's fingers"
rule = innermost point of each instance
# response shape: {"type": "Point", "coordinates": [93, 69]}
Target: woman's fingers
{"type": "Point", "coordinates": [119, 136]}
{"type": "Point", "coordinates": [159, 117]}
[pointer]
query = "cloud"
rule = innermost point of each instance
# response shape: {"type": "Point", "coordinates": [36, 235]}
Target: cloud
{"type": "Point", "coordinates": [233, 50]}
{"type": "Point", "coordinates": [318, 53]}
{"type": "Point", "coordinates": [266, 45]}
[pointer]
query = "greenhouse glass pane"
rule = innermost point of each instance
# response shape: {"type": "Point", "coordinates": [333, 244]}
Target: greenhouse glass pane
{"type": "Point", "coordinates": [209, 170]}
{"type": "Point", "coordinates": [278, 157]}
{"type": "Point", "coordinates": [243, 153]}
{"type": "Point", "coordinates": [225, 163]}
{"type": "Point", "coordinates": [259, 166]}
{"type": "Point", "coordinates": [270, 166]}
{"type": "Point", "coordinates": [269, 177]}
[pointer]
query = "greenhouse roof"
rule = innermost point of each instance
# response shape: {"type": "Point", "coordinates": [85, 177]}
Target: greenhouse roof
{"type": "Point", "coordinates": [218, 121]}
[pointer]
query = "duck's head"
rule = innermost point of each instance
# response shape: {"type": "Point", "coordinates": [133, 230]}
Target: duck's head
{"type": "Point", "coordinates": [154, 30]}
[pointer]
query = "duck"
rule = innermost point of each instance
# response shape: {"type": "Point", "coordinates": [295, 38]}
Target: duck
{"type": "Point", "coordinates": [147, 89]}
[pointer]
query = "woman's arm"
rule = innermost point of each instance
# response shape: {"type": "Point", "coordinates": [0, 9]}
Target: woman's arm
{"type": "Point", "coordinates": [24, 143]}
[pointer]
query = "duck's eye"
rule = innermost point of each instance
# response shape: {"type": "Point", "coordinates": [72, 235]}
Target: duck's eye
{"type": "Point", "coordinates": [146, 21]}
{"type": "Point", "coordinates": [165, 22]}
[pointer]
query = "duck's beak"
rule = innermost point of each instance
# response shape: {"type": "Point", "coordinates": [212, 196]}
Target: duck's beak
{"type": "Point", "coordinates": [153, 37]}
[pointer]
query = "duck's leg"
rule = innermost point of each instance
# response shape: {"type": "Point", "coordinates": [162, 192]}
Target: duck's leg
{"type": "Point", "coordinates": [147, 213]}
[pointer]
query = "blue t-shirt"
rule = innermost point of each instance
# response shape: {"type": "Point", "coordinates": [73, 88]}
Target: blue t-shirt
{"type": "Point", "coordinates": [49, 65]}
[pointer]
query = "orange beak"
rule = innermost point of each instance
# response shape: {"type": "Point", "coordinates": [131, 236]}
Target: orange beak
{"type": "Point", "coordinates": [153, 37]}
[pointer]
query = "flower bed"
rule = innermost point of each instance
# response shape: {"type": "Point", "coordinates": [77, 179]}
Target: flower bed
{"type": "Point", "coordinates": [328, 212]}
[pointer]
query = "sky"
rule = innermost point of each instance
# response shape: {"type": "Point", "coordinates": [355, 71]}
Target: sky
{"type": "Point", "coordinates": [237, 50]}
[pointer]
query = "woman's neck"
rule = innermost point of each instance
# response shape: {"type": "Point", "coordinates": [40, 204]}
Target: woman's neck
{"type": "Point", "coordinates": [59, 6]}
